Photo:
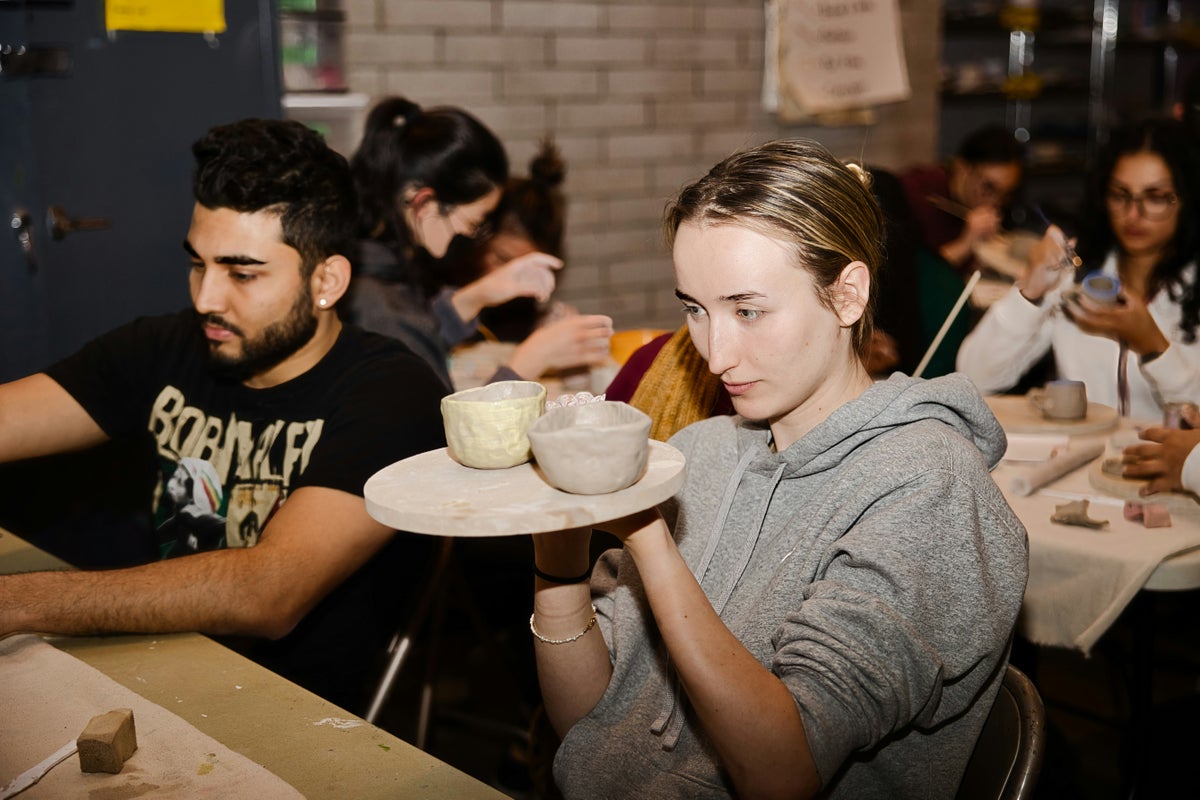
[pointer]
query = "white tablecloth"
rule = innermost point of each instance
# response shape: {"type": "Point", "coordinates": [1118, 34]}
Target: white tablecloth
{"type": "Point", "coordinates": [1080, 580]}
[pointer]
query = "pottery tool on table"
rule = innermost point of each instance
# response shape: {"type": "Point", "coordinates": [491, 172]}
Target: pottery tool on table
{"type": "Point", "coordinates": [38, 771]}
{"type": "Point", "coordinates": [941, 334]}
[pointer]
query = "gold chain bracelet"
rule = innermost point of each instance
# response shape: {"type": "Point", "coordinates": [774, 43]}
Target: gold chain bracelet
{"type": "Point", "coordinates": [591, 624]}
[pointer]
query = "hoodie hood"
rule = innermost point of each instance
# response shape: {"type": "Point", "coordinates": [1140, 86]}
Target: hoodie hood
{"type": "Point", "coordinates": [885, 406]}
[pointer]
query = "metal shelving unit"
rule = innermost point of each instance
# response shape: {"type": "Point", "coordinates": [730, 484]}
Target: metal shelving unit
{"type": "Point", "coordinates": [1060, 75]}
{"type": "Point", "coordinates": [314, 74]}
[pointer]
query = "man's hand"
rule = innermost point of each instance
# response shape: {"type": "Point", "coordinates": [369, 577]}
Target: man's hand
{"type": "Point", "coordinates": [1162, 462]}
{"type": "Point", "coordinates": [981, 223]}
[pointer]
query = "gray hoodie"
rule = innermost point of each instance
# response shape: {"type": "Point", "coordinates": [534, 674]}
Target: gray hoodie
{"type": "Point", "coordinates": [873, 566]}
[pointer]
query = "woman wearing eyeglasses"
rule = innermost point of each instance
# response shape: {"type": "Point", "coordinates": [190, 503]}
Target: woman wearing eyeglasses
{"type": "Point", "coordinates": [1140, 225]}
{"type": "Point", "coordinates": [428, 181]}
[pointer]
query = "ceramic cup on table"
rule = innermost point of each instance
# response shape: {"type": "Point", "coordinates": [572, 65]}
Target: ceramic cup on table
{"type": "Point", "coordinates": [1062, 401]}
{"type": "Point", "coordinates": [487, 427]}
{"type": "Point", "coordinates": [595, 448]}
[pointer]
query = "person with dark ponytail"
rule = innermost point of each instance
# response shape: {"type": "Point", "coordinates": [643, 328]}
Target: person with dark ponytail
{"type": "Point", "coordinates": [531, 217]}
{"type": "Point", "coordinates": [429, 181]}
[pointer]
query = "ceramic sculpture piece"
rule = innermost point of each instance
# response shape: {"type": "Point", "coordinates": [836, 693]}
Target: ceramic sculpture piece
{"type": "Point", "coordinates": [1076, 513]}
{"type": "Point", "coordinates": [595, 448]}
{"type": "Point", "coordinates": [487, 427]}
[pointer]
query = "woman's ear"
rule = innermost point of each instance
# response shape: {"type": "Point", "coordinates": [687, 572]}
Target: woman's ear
{"type": "Point", "coordinates": [422, 199]}
{"type": "Point", "coordinates": [329, 282]}
{"type": "Point", "coordinates": [852, 292]}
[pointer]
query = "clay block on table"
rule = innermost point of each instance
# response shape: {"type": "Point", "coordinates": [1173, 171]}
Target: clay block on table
{"type": "Point", "coordinates": [1151, 515]}
{"type": "Point", "coordinates": [1156, 516]}
{"type": "Point", "coordinates": [107, 742]}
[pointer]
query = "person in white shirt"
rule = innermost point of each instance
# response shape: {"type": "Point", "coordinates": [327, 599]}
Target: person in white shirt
{"type": "Point", "coordinates": [1142, 227]}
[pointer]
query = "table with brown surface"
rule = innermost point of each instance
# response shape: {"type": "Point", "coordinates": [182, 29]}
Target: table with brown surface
{"type": "Point", "coordinates": [255, 712]}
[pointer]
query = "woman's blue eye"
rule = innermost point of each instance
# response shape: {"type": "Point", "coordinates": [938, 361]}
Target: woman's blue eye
{"type": "Point", "coordinates": [693, 311]}
{"type": "Point", "coordinates": [749, 313]}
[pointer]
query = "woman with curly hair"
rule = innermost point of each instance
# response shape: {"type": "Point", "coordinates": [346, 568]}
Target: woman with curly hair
{"type": "Point", "coordinates": [1141, 226]}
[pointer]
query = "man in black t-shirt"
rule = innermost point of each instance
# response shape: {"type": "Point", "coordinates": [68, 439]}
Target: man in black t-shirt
{"type": "Point", "coordinates": [265, 416]}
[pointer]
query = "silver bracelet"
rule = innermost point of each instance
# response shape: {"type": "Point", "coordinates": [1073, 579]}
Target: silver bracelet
{"type": "Point", "coordinates": [591, 624]}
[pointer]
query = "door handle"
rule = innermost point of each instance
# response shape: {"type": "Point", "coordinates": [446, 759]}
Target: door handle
{"type": "Point", "coordinates": [20, 223]}
{"type": "Point", "coordinates": [61, 224]}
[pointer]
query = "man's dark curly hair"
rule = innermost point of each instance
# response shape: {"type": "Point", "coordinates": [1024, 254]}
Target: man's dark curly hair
{"type": "Point", "coordinates": [281, 166]}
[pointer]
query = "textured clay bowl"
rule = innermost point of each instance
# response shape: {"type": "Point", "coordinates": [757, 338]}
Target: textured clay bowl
{"type": "Point", "coordinates": [594, 448]}
{"type": "Point", "coordinates": [486, 427]}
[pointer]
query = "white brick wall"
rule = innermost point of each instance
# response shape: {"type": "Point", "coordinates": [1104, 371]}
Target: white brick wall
{"type": "Point", "coordinates": [642, 97]}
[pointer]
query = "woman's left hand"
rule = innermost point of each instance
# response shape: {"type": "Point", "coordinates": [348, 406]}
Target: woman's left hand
{"type": "Point", "coordinates": [1128, 320]}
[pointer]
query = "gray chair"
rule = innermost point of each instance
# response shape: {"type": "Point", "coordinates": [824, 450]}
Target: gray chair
{"type": "Point", "coordinates": [1008, 756]}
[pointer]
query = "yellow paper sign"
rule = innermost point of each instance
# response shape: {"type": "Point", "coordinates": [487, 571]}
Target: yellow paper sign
{"type": "Point", "coordinates": [176, 16]}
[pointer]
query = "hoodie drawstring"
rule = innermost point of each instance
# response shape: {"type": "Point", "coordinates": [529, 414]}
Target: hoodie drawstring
{"type": "Point", "coordinates": [670, 722]}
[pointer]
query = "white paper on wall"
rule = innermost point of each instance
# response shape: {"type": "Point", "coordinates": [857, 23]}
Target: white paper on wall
{"type": "Point", "coordinates": [838, 55]}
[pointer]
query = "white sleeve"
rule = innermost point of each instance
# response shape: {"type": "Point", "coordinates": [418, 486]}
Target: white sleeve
{"type": "Point", "coordinates": [1174, 375]}
{"type": "Point", "coordinates": [1011, 337]}
{"type": "Point", "coordinates": [1191, 471]}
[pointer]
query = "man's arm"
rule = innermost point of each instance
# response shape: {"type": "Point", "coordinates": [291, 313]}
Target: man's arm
{"type": "Point", "coordinates": [38, 417]}
{"type": "Point", "coordinates": [313, 542]}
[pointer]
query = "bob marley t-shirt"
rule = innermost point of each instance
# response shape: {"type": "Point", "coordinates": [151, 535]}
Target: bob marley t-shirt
{"type": "Point", "coordinates": [229, 456]}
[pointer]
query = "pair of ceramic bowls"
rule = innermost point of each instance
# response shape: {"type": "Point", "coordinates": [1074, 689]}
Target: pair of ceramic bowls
{"type": "Point", "coordinates": [594, 448]}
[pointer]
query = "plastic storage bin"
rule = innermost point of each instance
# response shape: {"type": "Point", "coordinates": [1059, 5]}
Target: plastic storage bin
{"type": "Point", "coordinates": [311, 47]}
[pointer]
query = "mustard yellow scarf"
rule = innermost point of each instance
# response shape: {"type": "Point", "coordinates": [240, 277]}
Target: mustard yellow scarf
{"type": "Point", "coordinates": [677, 389]}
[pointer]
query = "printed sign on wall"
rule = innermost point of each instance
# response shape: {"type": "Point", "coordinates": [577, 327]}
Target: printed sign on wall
{"type": "Point", "coordinates": [175, 16]}
{"type": "Point", "coordinates": [839, 55]}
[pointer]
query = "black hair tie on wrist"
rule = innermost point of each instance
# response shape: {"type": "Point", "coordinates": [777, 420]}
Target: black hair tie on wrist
{"type": "Point", "coordinates": [560, 579]}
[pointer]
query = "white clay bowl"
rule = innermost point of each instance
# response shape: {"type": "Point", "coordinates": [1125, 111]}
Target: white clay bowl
{"type": "Point", "coordinates": [595, 448]}
{"type": "Point", "coordinates": [486, 427]}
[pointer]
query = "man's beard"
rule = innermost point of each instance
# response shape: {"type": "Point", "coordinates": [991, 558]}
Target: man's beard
{"type": "Point", "coordinates": [277, 342]}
